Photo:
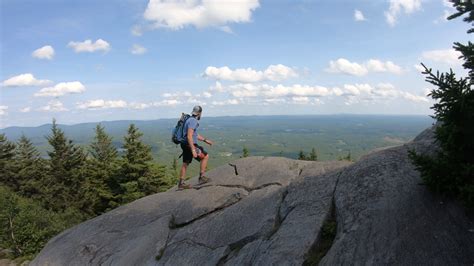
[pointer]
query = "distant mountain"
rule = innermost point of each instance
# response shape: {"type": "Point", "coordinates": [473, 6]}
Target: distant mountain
{"type": "Point", "coordinates": [333, 136]}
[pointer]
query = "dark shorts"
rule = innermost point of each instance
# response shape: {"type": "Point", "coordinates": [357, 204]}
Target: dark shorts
{"type": "Point", "coordinates": [188, 154]}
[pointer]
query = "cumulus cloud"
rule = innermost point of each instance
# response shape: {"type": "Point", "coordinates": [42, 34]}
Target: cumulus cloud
{"type": "Point", "coordinates": [226, 102]}
{"type": "Point", "coordinates": [358, 15]}
{"type": "Point", "coordinates": [101, 104]}
{"type": "Point", "coordinates": [398, 6]}
{"type": "Point", "coordinates": [45, 52]}
{"type": "Point", "coordinates": [344, 66]}
{"type": "Point", "coordinates": [167, 102]}
{"type": "Point", "coordinates": [138, 49]}
{"type": "Point", "coordinates": [447, 56]}
{"type": "Point", "coordinates": [176, 14]}
{"type": "Point", "coordinates": [89, 46]}
{"type": "Point", "coordinates": [25, 80]}
{"type": "Point", "coordinates": [273, 72]}
{"type": "Point", "coordinates": [54, 106]}
{"type": "Point", "coordinates": [3, 110]}
{"type": "Point", "coordinates": [60, 89]}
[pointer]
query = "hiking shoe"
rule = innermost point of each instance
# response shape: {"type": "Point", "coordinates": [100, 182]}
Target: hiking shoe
{"type": "Point", "coordinates": [183, 186]}
{"type": "Point", "coordinates": [203, 180]}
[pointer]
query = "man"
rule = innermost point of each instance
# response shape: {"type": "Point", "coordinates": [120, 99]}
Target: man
{"type": "Point", "coordinates": [192, 150]}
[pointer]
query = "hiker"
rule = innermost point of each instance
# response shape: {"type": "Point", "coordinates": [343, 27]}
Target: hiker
{"type": "Point", "coordinates": [191, 149]}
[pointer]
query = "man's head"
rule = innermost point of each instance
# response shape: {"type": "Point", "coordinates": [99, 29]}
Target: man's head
{"type": "Point", "coordinates": [197, 110]}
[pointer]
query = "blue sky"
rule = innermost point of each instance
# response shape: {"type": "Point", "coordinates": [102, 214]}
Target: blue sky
{"type": "Point", "coordinates": [84, 61]}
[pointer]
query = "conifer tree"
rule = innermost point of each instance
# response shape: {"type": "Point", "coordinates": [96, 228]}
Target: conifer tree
{"type": "Point", "coordinates": [451, 170]}
{"type": "Point", "coordinates": [66, 171]}
{"type": "Point", "coordinates": [7, 167]}
{"type": "Point", "coordinates": [136, 164]}
{"type": "Point", "coordinates": [30, 168]}
{"type": "Point", "coordinates": [102, 169]}
{"type": "Point", "coordinates": [313, 156]}
{"type": "Point", "coordinates": [245, 152]}
{"type": "Point", "coordinates": [301, 155]}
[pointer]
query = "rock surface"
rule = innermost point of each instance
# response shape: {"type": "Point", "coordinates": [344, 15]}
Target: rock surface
{"type": "Point", "coordinates": [268, 210]}
{"type": "Point", "coordinates": [246, 202]}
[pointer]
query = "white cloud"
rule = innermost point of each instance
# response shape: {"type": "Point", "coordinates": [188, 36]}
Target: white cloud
{"type": "Point", "coordinates": [226, 102]}
{"type": "Point", "coordinates": [273, 72]}
{"type": "Point", "coordinates": [448, 56]}
{"type": "Point", "coordinates": [207, 94]}
{"type": "Point", "coordinates": [176, 14]}
{"type": "Point", "coordinates": [61, 89]}
{"type": "Point", "coordinates": [101, 104]}
{"type": "Point", "coordinates": [137, 30]}
{"type": "Point", "coordinates": [419, 68]}
{"type": "Point", "coordinates": [89, 46]}
{"type": "Point", "coordinates": [247, 90]}
{"type": "Point", "coordinates": [399, 6]}
{"type": "Point", "coordinates": [344, 66]}
{"type": "Point", "coordinates": [25, 80]}
{"type": "Point", "coordinates": [54, 106]}
{"type": "Point", "coordinates": [414, 98]}
{"type": "Point", "coordinates": [358, 15]}
{"type": "Point", "coordinates": [139, 106]}
{"type": "Point", "coordinates": [167, 102]}
{"type": "Point", "coordinates": [25, 110]}
{"type": "Point", "coordinates": [3, 110]}
{"type": "Point", "coordinates": [45, 52]}
{"type": "Point", "coordinates": [138, 49]}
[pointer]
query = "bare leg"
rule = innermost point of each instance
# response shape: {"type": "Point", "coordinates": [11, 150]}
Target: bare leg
{"type": "Point", "coordinates": [183, 172]}
{"type": "Point", "coordinates": [204, 164]}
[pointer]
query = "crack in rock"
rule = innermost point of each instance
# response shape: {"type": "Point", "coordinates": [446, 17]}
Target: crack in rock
{"type": "Point", "coordinates": [235, 168]}
{"type": "Point", "coordinates": [248, 189]}
{"type": "Point", "coordinates": [228, 203]}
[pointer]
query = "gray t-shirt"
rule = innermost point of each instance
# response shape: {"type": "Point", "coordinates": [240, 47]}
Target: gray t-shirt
{"type": "Point", "coordinates": [193, 123]}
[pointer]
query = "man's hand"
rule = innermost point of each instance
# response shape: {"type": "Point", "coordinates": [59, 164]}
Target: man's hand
{"type": "Point", "coordinates": [195, 155]}
{"type": "Point", "coordinates": [209, 142]}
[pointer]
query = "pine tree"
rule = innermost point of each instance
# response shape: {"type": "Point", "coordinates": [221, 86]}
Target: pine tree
{"type": "Point", "coordinates": [136, 164]}
{"type": "Point", "coordinates": [66, 171]}
{"type": "Point", "coordinates": [102, 169]}
{"type": "Point", "coordinates": [313, 156]}
{"type": "Point", "coordinates": [301, 155]}
{"type": "Point", "coordinates": [7, 164]}
{"type": "Point", "coordinates": [245, 152]}
{"type": "Point", "coordinates": [451, 170]}
{"type": "Point", "coordinates": [30, 168]}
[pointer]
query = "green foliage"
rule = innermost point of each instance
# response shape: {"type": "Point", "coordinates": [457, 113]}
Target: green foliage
{"type": "Point", "coordinates": [66, 172]}
{"type": "Point", "coordinates": [313, 156]}
{"type": "Point", "coordinates": [30, 168]}
{"type": "Point", "coordinates": [102, 170]}
{"type": "Point", "coordinates": [301, 155]}
{"type": "Point", "coordinates": [25, 225]}
{"type": "Point", "coordinates": [451, 170]}
{"type": "Point", "coordinates": [7, 167]}
{"type": "Point", "coordinates": [245, 152]}
{"type": "Point", "coordinates": [348, 157]}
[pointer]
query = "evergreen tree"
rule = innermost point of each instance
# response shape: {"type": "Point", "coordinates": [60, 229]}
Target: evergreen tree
{"type": "Point", "coordinates": [136, 164]}
{"type": "Point", "coordinates": [301, 155]}
{"type": "Point", "coordinates": [245, 152]}
{"type": "Point", "coordinates": [66, 172]}
{"type": "Point", "coordinates": [30, 168]}
{"type": "Point", "coordinates": [451, 170]}
{"type": "Point", "coordinates": [313, 156]}
{"type": "Point", "coordinates": [102, 170]}
{"type": "Point", "coordinates": [7, 166]}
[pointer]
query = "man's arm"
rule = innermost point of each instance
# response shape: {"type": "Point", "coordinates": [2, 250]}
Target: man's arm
{"type": "Point", "coordinates": [201, 138]}
{"type": "Point", "coordinates": [191, 142]}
